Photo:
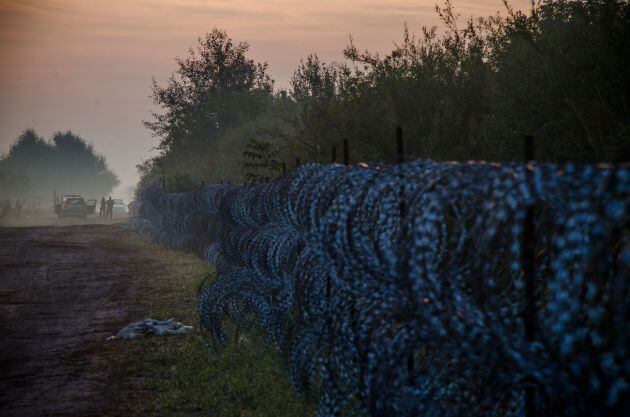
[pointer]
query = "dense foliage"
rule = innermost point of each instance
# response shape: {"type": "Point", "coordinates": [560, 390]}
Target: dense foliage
{"type": "Point", "coordinates": [35, 167]}
{"type": "Point", "coordinates": [215, 90]}
{"type": "Point", "coordinates": [450, 289]}
{"type": "Point", "coordinates": [558, 72]}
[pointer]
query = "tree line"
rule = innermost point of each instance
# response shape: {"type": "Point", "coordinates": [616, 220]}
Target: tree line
{"type": "Point", "coordinates": [35, 167]}
{"type": "Point", "coordinates": [468, 90]}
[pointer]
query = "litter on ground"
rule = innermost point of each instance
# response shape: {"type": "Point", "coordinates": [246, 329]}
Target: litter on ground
{"type": "Point", "coordinates": [151, 326]}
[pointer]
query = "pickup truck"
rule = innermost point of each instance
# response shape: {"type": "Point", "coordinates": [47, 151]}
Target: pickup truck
{"type": "Point", "coordinates": [73, 205]}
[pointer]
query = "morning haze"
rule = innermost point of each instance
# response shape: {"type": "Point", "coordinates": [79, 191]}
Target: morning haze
{"type": "Point", "coordinates": [364, 208]}
{"type": "Point", "coordinates": [87, 65]}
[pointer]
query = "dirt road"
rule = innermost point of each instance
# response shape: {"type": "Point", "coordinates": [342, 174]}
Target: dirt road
{"type": "Point", "coordinates": [63, 291]}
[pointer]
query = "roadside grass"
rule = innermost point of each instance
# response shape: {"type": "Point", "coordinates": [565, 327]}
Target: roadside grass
{"type": "Point", "coordinates": [179, 375]}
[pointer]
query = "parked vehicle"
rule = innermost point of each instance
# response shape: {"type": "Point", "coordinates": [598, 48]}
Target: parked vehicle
{"type": "Point", "coordinates": [73, 205]}
{"type": "Point", "coordinates": [119, 209]}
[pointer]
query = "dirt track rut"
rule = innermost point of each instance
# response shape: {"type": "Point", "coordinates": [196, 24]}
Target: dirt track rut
{"type": "Point", "coordinates": [63, 291]}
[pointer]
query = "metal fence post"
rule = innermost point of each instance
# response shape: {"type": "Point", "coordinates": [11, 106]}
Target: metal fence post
{"type": "Point", "coordinates": [399, 145]}
{"type": "Point", "coordinates": [404, 268]}
{"type": "Point", "coordinates": [528, 262]}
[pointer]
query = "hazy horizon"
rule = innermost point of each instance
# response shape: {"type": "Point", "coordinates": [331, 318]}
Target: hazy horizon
{"type": "Point", "coordinates": [87, 67]}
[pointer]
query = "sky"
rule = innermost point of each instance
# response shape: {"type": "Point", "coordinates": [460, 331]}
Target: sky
{"type": "Point", "coordinates": [87, 66]}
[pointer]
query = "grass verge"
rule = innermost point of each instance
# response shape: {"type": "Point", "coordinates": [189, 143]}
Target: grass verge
{"type": "Point", "coordinates": [178, 375]}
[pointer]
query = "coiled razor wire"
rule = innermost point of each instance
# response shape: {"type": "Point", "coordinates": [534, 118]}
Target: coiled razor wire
{"type": "Point", "coordinates": [399, 290]}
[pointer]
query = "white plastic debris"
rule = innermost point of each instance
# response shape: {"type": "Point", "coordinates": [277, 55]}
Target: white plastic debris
{"type": "Point", "coordinates": [151, 326]}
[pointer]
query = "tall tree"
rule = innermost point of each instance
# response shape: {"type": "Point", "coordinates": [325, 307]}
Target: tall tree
{"type": "Point", "coordinates": [215, 88]}
{"type": "Point", "coordinates": [207, 92]}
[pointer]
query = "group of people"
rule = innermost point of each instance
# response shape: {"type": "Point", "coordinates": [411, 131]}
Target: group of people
{"type": "Point", "coordinates": [6, 209]}
{"type": "Point", "coordinates": [107, 208]}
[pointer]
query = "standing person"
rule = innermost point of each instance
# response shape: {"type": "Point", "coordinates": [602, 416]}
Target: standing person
{"type": "Point", "coordinates": [18, 207]}
{"type": "Point", "coordinates": [5, 208]}
{"type": "Point", "coordinates": [132, 208]}
{"type": "Point", "coordinates": [101, 214]}
{"type": "Point", "coordinates": [109, 213]}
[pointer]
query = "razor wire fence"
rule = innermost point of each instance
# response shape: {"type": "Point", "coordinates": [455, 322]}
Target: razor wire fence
{"type": "Point", "coordinates": [422, 288]}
